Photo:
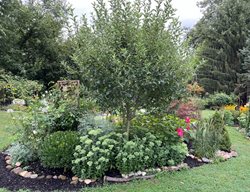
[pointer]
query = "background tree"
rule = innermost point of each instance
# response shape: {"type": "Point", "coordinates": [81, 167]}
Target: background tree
{"type": "Point", "coordinates": [244, 86]}
{"type": "Point", "coordinates": [33, 38]}
{"type": "Point", "coordinates": [220, 35]}
{"type": "Point", "coordinates": [131, 56]}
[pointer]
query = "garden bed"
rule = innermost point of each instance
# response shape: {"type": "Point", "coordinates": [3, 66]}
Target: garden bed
{"type": "Point", "coordinates": [12, 181]}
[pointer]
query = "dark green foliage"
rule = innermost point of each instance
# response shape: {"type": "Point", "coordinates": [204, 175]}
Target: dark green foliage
{"type": "Point", "coordinates": [33, 43]}
{"type": "Point", "coordinates": [57, 149]}
{"type": "Point", "coordinates": [164, 127]}
{"type": "Point", "coordinates": [219, 36]}
{"type": "Point", "coordinates": [95, 154]}
{"type": "Point", "coordinates": [244, 85]}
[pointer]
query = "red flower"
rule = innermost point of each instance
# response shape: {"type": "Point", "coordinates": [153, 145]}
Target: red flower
{"type": "Point", "coordinates": [187, 120]}
{"type": "Point", "coordinates": [180, 132]}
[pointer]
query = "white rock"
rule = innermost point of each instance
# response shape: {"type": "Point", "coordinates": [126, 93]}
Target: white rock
{"type": "Point", "coordinates": [143, 173]}
{"type": "Point", "coordinates": [18, 102]}
{"type": "Point", "coordinates": [10, 110]}
{"type": "Point", "coordinates": [125, 176]}
{"type": "Point", "coordinates": [87, 181]}
{"type": "Point", "coordinates": [34, 176]}
{"type": "Point", "coordinates": [75, 178]}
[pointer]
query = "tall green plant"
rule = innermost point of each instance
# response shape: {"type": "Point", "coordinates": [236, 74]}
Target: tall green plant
{"type": "Point", "coordinates": [131, 56]}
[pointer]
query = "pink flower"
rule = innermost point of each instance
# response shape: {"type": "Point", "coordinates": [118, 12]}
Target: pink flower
{"type": "Point", "coordinates": [180, 132]}
{"type": "Point", "coordinates": [188, 127]}
{"type": "Point", "coordinates": [187, 120]}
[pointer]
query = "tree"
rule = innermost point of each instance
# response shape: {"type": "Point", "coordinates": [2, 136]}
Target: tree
{"type": "Point", "coordinates": [244, 86]}
{"type": "Point", "coordinates": [131, 56]}
{"type": "Point", "coordinates": [220, 35]}
{"type": "Point", "coordinates": [33, 36]}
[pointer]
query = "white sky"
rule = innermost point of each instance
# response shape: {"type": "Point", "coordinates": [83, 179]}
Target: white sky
{"type": "Point", "coordinates": [187, 10]}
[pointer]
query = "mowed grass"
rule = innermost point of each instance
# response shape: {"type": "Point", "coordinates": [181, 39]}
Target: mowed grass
{"type": "Point", "coordinates": [230, 176]}
{"type": "Point", "coordinates": [7, 129]}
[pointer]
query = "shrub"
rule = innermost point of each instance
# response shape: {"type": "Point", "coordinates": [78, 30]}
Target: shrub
{"type": "Point", "coordinates": [21, 153]}
{"type": "Point", "coordinates": [148, 152]}
{"type": "Point", "coordinates": [95, 154]}
{"type": "Point", "coordinates": [188, 109]}
{"type": "Point", "coordinates": [228, 117]}
{"type": "Point", "coordinates": [58, 148]}
{"type": "Point", "coordinates": [163, 127]}
{"type": "Point", "coordinates": [219, 127]}
{"type": "Point", "coordinates": [12, 87]}
{"type": "Point", "coordinates": [218, 100]}
{"type": "Point", "coordinates": [177, 153]}
{"type": "Point", "coordinates": [210, 136]}
{"type": "Point", "coordinates": [244, 121]}
{"type": "Point", "coordinates": [206, 140]}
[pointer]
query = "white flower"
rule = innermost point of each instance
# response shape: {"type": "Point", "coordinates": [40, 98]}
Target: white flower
{"type": "Point", "coordinates": [34, 132]}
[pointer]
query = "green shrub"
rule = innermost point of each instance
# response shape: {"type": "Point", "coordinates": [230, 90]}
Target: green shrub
{"type": "Point", "coordinates": [210, 136]}
{"type": "Point", "coordinates": [218, 126]}
{"type": "Point", "coordinates": [218, 100]}
{"type": "Point", "coordinates": [244, 122]}
{"type": "Point", "coordinates": [177, 153]}
{"type": "Point", "coordinates": [21, 153]}
{"type": "Point", "coordinates": [148, 152]}
{"type": "Point", "coordinates": [95, 154]}
{"type": "Point", "coordinates": [206, 140]}
{"type": "Point", "coordinates": [12, 87]}
{"type": "Point", "coordinates": [228, 117]}
{"type": "Point", "coordinates": [57, 149]}
{"type": "Point", "coordinates": [164, 127]}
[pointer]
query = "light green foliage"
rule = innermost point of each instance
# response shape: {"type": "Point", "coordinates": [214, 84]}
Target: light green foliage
{"type": "Point", "coordinates": [7, 129]}
{"type": "Point", "coordinates": [148, 152]}
{"type": "Point", "coordinates": [130, 52]}
{"type": "Point", "coordinates": [218, 100]}
{"type": "Point", "coordinates": [244, 121]}
{"type": "Point", "coordinates": [228, 118]}
{"type": "Point", "coordinates": [56, 151]}
{"type": "Point", "coordinates": [164, 127]}
{"type": "Point", "coordinates": [211, 135]}
{"type": "Point", "coordinates": [218, 126]}
{"type": "Point", "coordinates": [206, 140]}
{"type": "Point", "coordinates": [20, 153]}
{"type": "Point", "coordinates": [12, 87]}
{"type": "Point", "coordinates": [54, 112]}
{"type": "Point", "coordinates": [95, 154]}
{"type": "Point", "coordinates": [90, 121]}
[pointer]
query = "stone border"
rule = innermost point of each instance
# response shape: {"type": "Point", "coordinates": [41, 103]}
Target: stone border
{"type": "Point", "coordinates": [18, 170]}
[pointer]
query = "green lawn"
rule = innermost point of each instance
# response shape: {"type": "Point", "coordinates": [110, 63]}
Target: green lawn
{"type": "Point", "coordinates": [7, 129]}
{"type": "Point", "coordinates": [230, 176]}
{"type": "Point", "coordinates": [207, 113]}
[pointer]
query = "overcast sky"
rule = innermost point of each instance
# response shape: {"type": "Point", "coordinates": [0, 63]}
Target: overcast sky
{"type": "Point", "coordinates": [187, 10]}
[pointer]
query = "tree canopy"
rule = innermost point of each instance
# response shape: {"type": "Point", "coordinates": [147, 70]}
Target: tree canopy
{"type": "Point", "coordinates": [131, 55]}
{"type": "Point", "coordinates": [32, 35]}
